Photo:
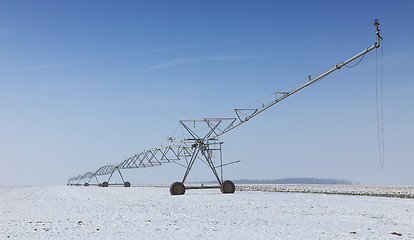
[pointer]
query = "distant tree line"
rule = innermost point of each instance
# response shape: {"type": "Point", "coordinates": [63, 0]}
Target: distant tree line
{"type": "Point", "coordinates": [291, 181]}
{"type": "Point", "coordinates": [295, 181]}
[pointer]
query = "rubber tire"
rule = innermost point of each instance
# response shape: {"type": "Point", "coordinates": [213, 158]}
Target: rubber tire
{"type": "Point", "coordinates": [177, 188]}
{"type": "Point", "coordinates": [127, 184]}
{"type": "Point", "coordinates": [105, 184]}
{"type": "Point", "coordinates": [86, 184]}
{"type": "Point", "coordinates": [227, 187]}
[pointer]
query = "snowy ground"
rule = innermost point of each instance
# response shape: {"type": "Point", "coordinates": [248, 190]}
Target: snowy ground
{"type": "Point", "coordinates": [75, 212]}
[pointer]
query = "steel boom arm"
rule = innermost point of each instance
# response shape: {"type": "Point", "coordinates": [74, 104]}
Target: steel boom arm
{"type": "Point", "coordinates": [287, 94]}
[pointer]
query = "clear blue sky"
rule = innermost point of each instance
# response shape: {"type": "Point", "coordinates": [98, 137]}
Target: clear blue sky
{"type": "Point", "coordinates": [89, 83]}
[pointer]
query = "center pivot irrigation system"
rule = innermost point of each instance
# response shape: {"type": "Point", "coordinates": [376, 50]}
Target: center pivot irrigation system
{"type": "Point", "coordinates": [200, 140]}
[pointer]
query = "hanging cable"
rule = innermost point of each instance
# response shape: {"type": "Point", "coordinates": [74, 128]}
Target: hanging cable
{"type": "Point", "coordinates": [379, 106]}
{"type": "Point", "coordinates": [382, 105]}
{"type": "Point", "coordinates": [357, 62]}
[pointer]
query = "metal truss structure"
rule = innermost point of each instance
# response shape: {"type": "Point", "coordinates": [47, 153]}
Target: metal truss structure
{"type": "Point", "coordinates": [201, 139]}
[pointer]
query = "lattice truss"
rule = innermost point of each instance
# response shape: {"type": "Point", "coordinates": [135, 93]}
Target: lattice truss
{"type": "Point", "coordinates": [183, 155]}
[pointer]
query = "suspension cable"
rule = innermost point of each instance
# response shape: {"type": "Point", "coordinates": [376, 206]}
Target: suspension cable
{"type": "Point", "coordinates": [357, 62]}
{"type": "Point", "coordinates": [379, 106]}
{"type": "Point", "coordinates": [382, 106]}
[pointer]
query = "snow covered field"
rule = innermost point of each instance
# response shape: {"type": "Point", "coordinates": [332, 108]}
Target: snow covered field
{"type": "Point", "coordinates": [71, 212]}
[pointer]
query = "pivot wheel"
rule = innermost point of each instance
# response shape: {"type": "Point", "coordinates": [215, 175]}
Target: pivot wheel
{"type": "Point", "coordinates": [127, 184]}
{"type": "Point", "coordinates": [86, 184]}
{"type": "Point", "coordinates": [227, 187]}
{"type": "Point", "coordinates": [105, 184]}
{"type": "Point", "coordinates": [177, 188]}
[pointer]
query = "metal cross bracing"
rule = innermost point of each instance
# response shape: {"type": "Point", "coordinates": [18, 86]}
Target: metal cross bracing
{"type": "Point", "coordinates": [184, 155]}
{"type": "Point", "coordinates": [87, 177]}
{"type": "Point", "coordinates": [200, 137]}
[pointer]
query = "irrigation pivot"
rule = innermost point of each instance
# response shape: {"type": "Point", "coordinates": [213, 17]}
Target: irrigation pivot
{"type": "Point", "coordinates": [200, 139]}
